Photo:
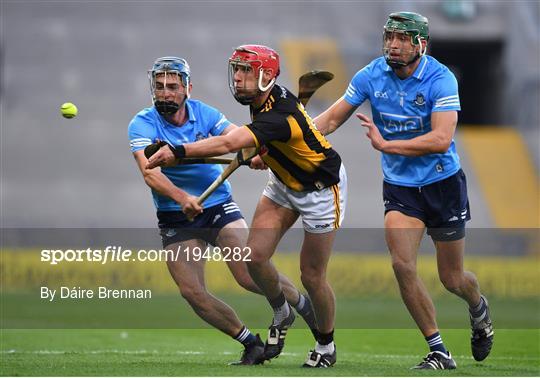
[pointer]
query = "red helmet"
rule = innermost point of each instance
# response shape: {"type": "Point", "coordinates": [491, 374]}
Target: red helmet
{"type": "Point", "coordinates": [258, 58]}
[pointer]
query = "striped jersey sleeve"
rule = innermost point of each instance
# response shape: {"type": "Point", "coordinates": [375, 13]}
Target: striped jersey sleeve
{"type": "Point", "coordinates": [445, 93]}
{"type": "Point", "coordinates": [357, 91]}
{"type": "Point", "coordinates": [140, 133]}
{"type": "Point", "coordinates": [217, 121]}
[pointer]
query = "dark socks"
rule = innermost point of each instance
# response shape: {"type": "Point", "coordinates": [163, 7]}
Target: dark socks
{"type": "Point", "coordinates": [479, 311]}
{"type": "Point", "coordinates": [435, 343]}
{"type": "Point", "coordinates": [305, 310]}
{"type": "Point", "coordinates": [325, 338]}
{"type": "Point", "coordinates": [245, 337]}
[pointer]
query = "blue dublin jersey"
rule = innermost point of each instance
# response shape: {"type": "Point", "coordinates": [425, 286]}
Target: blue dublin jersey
{"type": "Point", "coordinates": [203, 122]}
{"type": "Point", "coordinates": [402, 109]}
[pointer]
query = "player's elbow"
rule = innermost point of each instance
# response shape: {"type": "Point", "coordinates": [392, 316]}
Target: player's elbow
{"type": "Point", "coordinates": [333, 126]}
{"type": "Point", "coordinates": [441, 145]}
{"type": "Point", "coordinates": [150, 176]}
{"type": "Point", "coordinates": [321, 125]}
{"type": "Point", "coordinates": [439, 149]}
{"type": "Point", "coordinates": [325, 124]}
{"type": "Point", "coordinates": [229, 145]}
{"type": "Point", "coordinates": [232, 143]}
{"type": "Point", "coordinates": [326, 128]}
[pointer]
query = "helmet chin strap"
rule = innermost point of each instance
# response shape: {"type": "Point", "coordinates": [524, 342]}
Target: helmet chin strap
{"type": "Point", "coordinates": [247, 100]}
{"type": "Point", "coordinates": [168, 108]}
{"type": "Point", "coordinates": [423, 49]}
{"type": "Point", "coordinates": [188, 92]}
{"type": "Point", "coordinates": [268, 86]}
{"type": "Point", "coordinates": [397, 64]}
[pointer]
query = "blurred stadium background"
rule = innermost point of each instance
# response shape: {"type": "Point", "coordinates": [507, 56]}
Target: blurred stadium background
{"type": "Point", "coordinates": [78, 175]}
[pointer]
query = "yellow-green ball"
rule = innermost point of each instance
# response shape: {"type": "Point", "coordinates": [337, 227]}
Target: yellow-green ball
{"type": "Point", "coordinates": [68, 110]}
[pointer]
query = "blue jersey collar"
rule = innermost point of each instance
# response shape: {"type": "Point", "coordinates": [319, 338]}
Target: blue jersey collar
{"type": "Point", "coordinates": [191, 113]}
{"type": "Point", "coordinates": [418, 73]}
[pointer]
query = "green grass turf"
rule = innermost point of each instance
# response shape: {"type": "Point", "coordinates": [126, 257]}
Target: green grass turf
{"type": "Point", "coordinates": [171, 311]}
{"type": "Point", "coordinates": [204, 352]}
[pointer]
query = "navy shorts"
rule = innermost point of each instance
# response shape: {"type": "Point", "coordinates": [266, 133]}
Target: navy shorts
{"type": "Point", "coordinates": [443, 206]}
{"type": "Point", "coordinates": [175, 227]}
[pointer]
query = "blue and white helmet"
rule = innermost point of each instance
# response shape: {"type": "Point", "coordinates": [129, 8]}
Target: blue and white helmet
{"type": "Point", "coordinates": [169, 65]}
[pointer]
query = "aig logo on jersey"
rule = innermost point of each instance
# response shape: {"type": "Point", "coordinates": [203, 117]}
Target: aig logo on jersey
{"type": "Point", "coordinates": [397, 123]}
{"type": "Point", "coordinates": [419, 100]}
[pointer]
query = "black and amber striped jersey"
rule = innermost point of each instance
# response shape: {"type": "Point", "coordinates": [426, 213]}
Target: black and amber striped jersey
{"type": "Point", "coordinates": [298, 154]}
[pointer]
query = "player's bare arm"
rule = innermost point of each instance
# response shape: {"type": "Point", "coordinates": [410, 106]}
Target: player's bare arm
{"type": "Point", "coordinates": [229, 128]}
{"type": "Point", "coordinates": [156, 180]}
{"type": "Point", "coordinates": [231, 142]}
{"type": "Point", "coordinates": [438, 140]}
{"type": "Point", "coordinates": [237, 139]}
{"type": "Point", "coordinates": [328, 121]}
{"type": "Point", "coordinates": [256, 161]}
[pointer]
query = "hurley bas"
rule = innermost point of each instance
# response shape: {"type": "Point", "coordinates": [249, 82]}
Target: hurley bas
{"type": "Point", "coordinates": [102, 292]}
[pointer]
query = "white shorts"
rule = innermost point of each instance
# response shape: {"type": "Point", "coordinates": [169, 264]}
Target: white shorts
{"type": "Point", "coordinates": [321, 210]}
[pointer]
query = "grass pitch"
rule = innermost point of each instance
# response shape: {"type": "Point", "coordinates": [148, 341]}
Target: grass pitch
{"type": "Point", "coordinates": [206, 352]}
{"type": "Point", "coordinates": [374, 336]}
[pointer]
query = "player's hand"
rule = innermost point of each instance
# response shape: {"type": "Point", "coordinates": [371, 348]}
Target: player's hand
{"type": "Point", "coordinates": [372, 132]}
{"type": "Point", "coordinates": [190, 207]}
{"type": "Point", "coordinates": [164, 157]}
{"type": "Point", "coordinates": [257, 163]}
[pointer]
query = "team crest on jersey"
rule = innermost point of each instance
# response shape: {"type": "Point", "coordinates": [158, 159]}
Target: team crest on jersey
{"type": "Point", "coordinates": [420, 100]}
{"type": "Point", "coordinates": [283, 92]}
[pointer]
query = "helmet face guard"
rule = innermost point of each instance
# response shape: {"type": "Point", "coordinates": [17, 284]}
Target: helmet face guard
{"type": "Point", "coordinates": [412, 25]}
{"type": "Point", "coordinates": [256, 59]}
{"type": "Point", "coordinates": [166, 67]}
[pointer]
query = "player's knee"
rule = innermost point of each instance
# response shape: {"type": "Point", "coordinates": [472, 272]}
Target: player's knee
{"type": "Point", "coordinates": [195, 296]}
{"type": "Point", "coordinates": [404, 269]}
{"type": "Point", "coordinates": [452, 283]}
{"type": "Point", "coordinates": [311, 278]}
{"type": "Point", "coordinates": [245, 281]}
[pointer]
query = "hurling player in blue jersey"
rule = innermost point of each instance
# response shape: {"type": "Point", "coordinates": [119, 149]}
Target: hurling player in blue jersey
{"type": "Point", "coordinates": [184, 225]}
{"type": "Point", "coordinates": [414, 103]}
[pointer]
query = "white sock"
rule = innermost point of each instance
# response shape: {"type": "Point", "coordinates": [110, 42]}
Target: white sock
{"type": "Point", "coordinates": [325, 349]}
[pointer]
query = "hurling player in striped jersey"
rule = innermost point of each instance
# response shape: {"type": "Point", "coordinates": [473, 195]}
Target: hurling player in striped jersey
{"type": "Point", "coordinates": [307, 181]}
